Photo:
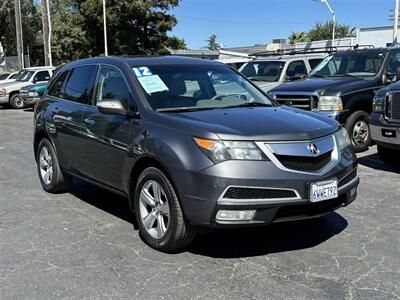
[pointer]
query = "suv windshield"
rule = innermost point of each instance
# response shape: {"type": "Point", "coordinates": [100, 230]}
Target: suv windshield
{"type": "Point", "coordinates": [268, 71]}
{"type": "Point", "coordinates": [180, 88]}
{"type": "Point", "coordinates": [360, 64]}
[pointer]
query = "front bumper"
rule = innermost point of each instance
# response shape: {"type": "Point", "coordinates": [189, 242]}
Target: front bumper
{"type": "Point", "coordinates": [4, 99]}
{"type": "Point", "coordinates": [202, 193]}
{"type": "Point", "coordinates": [28, 100]}
{"type": "Point", "coordinates": [383, 132]}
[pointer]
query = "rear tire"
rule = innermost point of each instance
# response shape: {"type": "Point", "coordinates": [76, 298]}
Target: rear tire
{"type": "Point", "coordinates": [389, 156]}
{"type": "Point", "coordinates": [158, 213]}
{"type": "Point", "coordinates": [357, 126]}
{"type": "Point", "coordinates": [51, 177]}
{"type": "Point", "coordinates": [16, 101]}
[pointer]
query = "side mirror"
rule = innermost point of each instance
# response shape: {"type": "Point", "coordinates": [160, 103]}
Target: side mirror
{"type": "Point", "coordinates": [112, 107]}
{"type": "Point", "coordinates": [388, 78]}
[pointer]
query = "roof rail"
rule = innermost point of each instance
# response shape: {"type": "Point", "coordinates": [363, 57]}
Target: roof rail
{"type": "Point", "coordinates": [316, 50]}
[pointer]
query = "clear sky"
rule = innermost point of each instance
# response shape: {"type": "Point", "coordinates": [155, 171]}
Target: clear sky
{"type": "Point", "coordinates": [248, 22]}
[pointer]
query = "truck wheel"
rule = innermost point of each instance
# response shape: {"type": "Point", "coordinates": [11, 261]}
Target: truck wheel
{"type": "Point", "coordinates": [159, 214]}
{"type": "Point", "coordinates": [53, 180]}
{"type": "Point", "coordinates": [16, 101]}
{"type": "Point", "coordinates": [358, 127]}
{"type": "Point", "coordinates": [389, 156]}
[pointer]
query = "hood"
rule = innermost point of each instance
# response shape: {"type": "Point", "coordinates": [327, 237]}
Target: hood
{"type": "Point", "coordinates": [256, 124]}
{"type": "Point", "coordinates": [14, 86]}
{"type": "Point", "coordinates": [393, 87]}
{"type": "Point", "coordinates": [333, 86]}
{"type": "Point", "coordinates": [6, 81]}
{"type": "Point", "coordinates": [266, 86]}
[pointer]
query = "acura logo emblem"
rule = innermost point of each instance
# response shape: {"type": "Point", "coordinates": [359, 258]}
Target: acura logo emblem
{"type": "Point", "coordinates": [313, 149]}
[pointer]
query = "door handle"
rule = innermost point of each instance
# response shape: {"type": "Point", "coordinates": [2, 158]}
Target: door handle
{"type": "Point", "coordinates": [89, 121]}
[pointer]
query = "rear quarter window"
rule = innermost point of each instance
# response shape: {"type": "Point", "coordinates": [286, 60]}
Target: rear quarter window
{"type": "Point", "coordinates": [80, 84]}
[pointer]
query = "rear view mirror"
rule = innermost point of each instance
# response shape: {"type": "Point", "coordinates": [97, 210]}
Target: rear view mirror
{"type": "Point", "coordinates": [112, 107]}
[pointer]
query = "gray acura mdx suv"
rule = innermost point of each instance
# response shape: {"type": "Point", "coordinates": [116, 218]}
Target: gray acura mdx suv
{"type": "Point", "coordinates": [191, 143]}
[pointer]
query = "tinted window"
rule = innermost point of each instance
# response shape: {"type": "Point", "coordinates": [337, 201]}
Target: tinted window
{"type": "Point", "coordinates": [56, 88]}
{"type": "Point", "coordinates": [268, 71]}
{"type": "Point", "coordinates": [314, 62]}
{"type": "Point", "coordinates": [4, 76]}
{"type": "Point", "coordinates": [42, 76]}
{"type": "Point", "coordinates": [296, 69]}
{"type": "Point", "coordinates": [112, 85]}
{"type": "Point", "coordinates": [80, 82]}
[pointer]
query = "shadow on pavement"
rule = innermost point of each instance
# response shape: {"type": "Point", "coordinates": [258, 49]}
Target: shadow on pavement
{"type": "Point", "coordinates": [279, 237]}
{"type": "Point", "coordinates": [228, 243]}
{"type": "Point", "coordinates": [373, 161]}
{"type": "Point", "coordinates": [103, 199]}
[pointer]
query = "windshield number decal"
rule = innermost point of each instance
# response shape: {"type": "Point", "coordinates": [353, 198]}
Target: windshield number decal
{"type": "Point", "coordinates": [142, 71]}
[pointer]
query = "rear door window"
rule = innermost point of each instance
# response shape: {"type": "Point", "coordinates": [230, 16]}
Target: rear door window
{"type": "Point", "coordinates": [57, 87]}
{"type": "Point", "coordinates": [80, 84]}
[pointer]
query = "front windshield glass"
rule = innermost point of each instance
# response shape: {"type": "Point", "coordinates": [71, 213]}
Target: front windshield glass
{"type": "Point", "coordinates": [359, 64]}
{"type": "Point", "coordinates": [178, 88]}
{"type": "Point", "coordinates": [25, 76]}
{"type": "Point", "coordinates": [3, 76]}
{"type": "Point", "coordinates": [268, 71]}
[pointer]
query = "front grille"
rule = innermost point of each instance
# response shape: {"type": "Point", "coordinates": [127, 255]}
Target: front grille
{"type": "Point", "coordinates": [393, 107]}
{"type": "Point", "coordinates": [306, 102]}
{"type": "Point", "coordinates": [309, 209]}
{"type": "Point", "coordinates": [257, 193]}
{"type": "Point", "coordinates": [305, 163]}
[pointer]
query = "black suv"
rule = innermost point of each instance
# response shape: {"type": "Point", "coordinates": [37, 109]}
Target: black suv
{"type": "Point", "coordinates": [385, 123]}
{"type": "Point", "coordinates": [191, 143]}
{"type": "Point", "coordinates": [342, 87]}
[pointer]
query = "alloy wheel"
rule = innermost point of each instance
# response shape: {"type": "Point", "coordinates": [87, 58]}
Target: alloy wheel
{"type": "Point", "coordinates": [360, 132]}
{"type": "Point", "coordinates": [154, 209]}
{"type": "Point", "coordinates": [46, 165]}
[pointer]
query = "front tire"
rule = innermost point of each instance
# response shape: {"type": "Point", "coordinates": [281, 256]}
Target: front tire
{"type": "Point", "coordinates": [389, 156]}
{"type": "Point", "coordinates": [159, 214]}
{"type": "Point", "coordinates": [357, 126]}
{"type": "Point", "coordinates": [51, 177]}
{"type": "Point", "coordinates": [16, 101]}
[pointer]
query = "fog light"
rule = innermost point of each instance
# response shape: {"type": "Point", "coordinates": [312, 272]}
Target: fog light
{"type": "Point", "coordinates": [235, 215]}
{"type": "Point", "coordinates": [353, 191]}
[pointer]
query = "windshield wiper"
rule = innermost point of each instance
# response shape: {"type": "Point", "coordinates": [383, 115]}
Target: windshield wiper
{"type": "Point", "coordinates": [346, 74]}
{"type": "Point", "coordinates": [255, 79]}
{"type": "Point", "coordinates": [248, 104]}
{"type": "Point", "coordinates": [317, 75]}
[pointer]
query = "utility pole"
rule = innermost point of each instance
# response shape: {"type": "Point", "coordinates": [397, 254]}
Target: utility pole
{"type": "Point", "coordinates": [395, 21]}
{"type": "Point", "coordinates": [333, 19]}
{"type": "Point", "coordinates": [105, 29]}
{"type": "Point", "coordinates": [46, 32]}
{"type": "Point", "coordinates": [18, 27]}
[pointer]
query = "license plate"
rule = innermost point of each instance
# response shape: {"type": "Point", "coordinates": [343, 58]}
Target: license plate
{"type": "Point", "coordinates": [321, 191]}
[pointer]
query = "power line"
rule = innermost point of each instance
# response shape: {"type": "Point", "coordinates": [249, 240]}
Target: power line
{"type": "Point", "coordinates": [240, 22]}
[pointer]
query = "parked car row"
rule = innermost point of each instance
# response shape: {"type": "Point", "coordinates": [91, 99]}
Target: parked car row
{"type": "Point", "coordinates": [342, 86]}
{"type": "Point", "coordinates": [15, 90]}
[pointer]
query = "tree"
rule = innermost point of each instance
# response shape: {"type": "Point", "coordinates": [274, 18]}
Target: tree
{"type": "Point", "coordinates": [212, 43]}
{"type": "Point", "coordinates": [323, 31]}
{"type": "Point", "coordinates": [298, 36]}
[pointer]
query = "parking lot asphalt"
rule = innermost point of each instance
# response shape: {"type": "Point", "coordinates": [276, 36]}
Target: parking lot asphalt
{"type": "Point", "coordinates": [83, 244]}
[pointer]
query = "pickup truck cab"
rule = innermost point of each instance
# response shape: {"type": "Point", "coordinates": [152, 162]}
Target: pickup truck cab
{"type": "Point", "coordinates": [385, 123]}
{"type": "Point", "coordinates": [342, 87]}
{"type": "Point", "coordinates": [270, 72]}
{"type": "Point", "coordinates": [9, 91]}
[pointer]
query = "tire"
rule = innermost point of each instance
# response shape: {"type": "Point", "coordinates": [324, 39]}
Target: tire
{"type": "Point", "coordinates": [389, 156]}
{"type": "Point", "coordinates": [53, 180]}
{"type": "Point", "coordinates": [160, 219]}
{"type": "Point", "coordinates": [357, 126]}
{"type": "Point", "coordinates": [16, 102]}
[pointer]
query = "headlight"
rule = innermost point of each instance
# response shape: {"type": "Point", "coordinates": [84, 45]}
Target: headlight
{"type": "Point", "coordinates": [378, 104]}
{"type": "Point", "coordinates": [219, 151]}
{"type": "Point", "coordinates": [3, 91]}
{"type": "Point", "coordinates": [33, 94]}
{"type": "Point", "coordinates": [330, 103]}
{"type": "Point", "coordinates": [342, 139]}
